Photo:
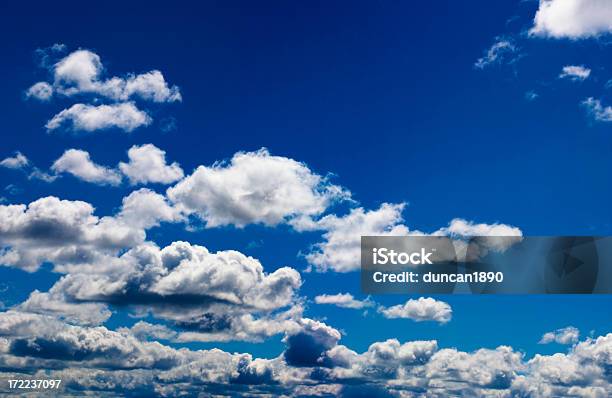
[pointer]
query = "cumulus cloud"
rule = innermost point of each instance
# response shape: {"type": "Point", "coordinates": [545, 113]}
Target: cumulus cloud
{"type": "Point", "coordinates": [422, 309]}
{"type": "Point", "coordinates": [145, 209]}
{"type": "Point", "coordinates": [472, 241]}
{"type": "Point", "coordinates": [82, 117]}
{"type": "Point", "coordinates": [451, 369]}
{"type": "Point", "coordinates": [575, 72]}
{"type": "Point", "coordinates": [307, 346]}
{"type": "Point", "coordinates": [147, 163]}
{"type": "Point", "coordinates": [81, 71]}
{"type": "Point", "coordinates": [212, 296]}
{"type": "Point", "coordinates": [254, 187]}
{"type": "Point", "coordinates": [581, 372]}
{"type": "Point", "coordinates": [596, 110]}
{"type": "Point", "coordinates": [340, 251]}
{"type": "Point", "coordinates": [504, 50]}
{"type": "Point", "coordinates": [18, 161]}
{"type": "Point", "coordinates": [79, 313]}
{"type": "Point", "coordinates": [572, 19]}
{"type": "Point", "coordinates": [103, 361]}
{"type": "Point", "coordinates": [343, 300]}
{"type": "Point", "coordinates": [568, 335]}
{"type": "Point", "coordinates": [459, 227]}
{"type": "Point", "coordinates": [79, 164]}
{"type": "Point", "coordinates": [67, 233]}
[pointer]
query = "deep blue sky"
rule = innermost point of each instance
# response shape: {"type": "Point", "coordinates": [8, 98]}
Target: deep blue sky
{"type": "Point", "coordinates": [382, 94]}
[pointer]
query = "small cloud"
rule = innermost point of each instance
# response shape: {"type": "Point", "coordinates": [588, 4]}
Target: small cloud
{"type": "Point", "coordinates": [48, 55]}
{"type": "Point", "coordinates": [19, 161]}
{"type": "Point", "coordinates": [81, 117]}
{"type": "Point", "coordinates": [38, 174]}
{"type": "Point", "coordinates": [255, 244]}
{"type": "Point", "coordinates": [344, 300]}
{"type": "Point", "coordinates": [575, 73]}
{"type": "Point", "coordinates": [79, 164]}
{"type": "Point", "coordinates": [596, 110]}
{"type": "Point", "coordinates": [504, 50]}
{"type": "Point", "coordinates": [42, 91]}
{"type": "Point", "coordinates": [531, 95]}
{"type": "Point", "coordinates": [148, 165]}
{"type": "Point", "coordinates": [168, 124]}
{"type": "Point", "coordinates": [13, 189]}
{"type": "Point", "coordinates": [568, 335]}
{"type": "Point", "coordinates": [423, 309]}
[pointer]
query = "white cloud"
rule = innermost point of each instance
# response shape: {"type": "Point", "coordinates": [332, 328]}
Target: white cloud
{"type": "Point", "coordinates": [107, 362]}
{"type": "Point", "coordinates": [503, 50]}
{"type": "Point", "coordinates": [79, 164]}
{"type": "Point", "coordinates": [21, 162]}
{"type": "Point", "coordinates": [422, 309]}
{"type": "Point", "coordinates": [254, 187]}
{"type": "Point", "coordinates": [38, 174]}
{"type": "Point", "coordinates": [482, 237]}
{"type": "Point", "coordinates": [572, 19]}
{"type": "Point", "coordinates": [218, 296]}
{"type": "Point", "coordinates": [568, 335]}
{"type": "Point", "coordinates": [344, 300]}
{"type": "Point", "coordinates": [145, 209]}
{"type": "Point", "coordinates": [450, 369]}
{"type": "Point", "coordinates": [575, 72]}
{"type": "Point", "coordinates": [463, 228]}
{"type": "Point", "coordinates": [150, 86]}
{"type": "Point", "coordinates": [18, 161]}
{"type": "Point", "coordinates": [42, 91]}
{"type": "Point", "coordinates": [80, 73]}
{"type": "Point", "coordinates": [596, 110]}
{"type": "Point", "coordinates": [68, 234]}
{"type": "Point", "coordinates": [148, 164]}
{"type": "Point", "coordinates": [82, 117]}
{"type": "Point", "coordinates": [79, 313]}
{"type": "Point", "coordinates": [341, 249]}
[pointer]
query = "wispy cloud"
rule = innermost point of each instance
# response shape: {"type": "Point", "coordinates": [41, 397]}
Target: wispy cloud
{"type": "Point", "coordinates": [344, 300]}
{"type": "Point", "coordinates": [597, 111]}
{"type": "Point", "coordinates": [575, 72]}
{"type": "Point", "coordinates": [504, 50]}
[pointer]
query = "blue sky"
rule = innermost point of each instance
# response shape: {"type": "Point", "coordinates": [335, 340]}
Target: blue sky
{"type": "Point", "coordinates": [384, 99]}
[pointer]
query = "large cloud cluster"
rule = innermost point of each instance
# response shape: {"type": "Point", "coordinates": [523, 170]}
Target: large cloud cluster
{"type": "Point", "coordinates": [209, 296]}
{"type": "Point", "coordinates": [100, 360]}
